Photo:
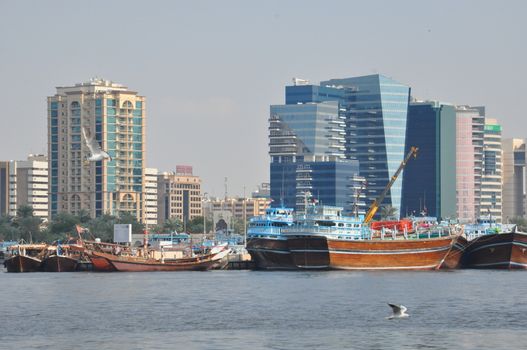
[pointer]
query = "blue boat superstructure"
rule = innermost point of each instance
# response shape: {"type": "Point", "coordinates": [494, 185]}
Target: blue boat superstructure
{"type": "Point", "coordinates": [265, 240]}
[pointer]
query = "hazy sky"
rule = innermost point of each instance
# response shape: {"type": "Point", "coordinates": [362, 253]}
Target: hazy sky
{"type": "Point", "coordinates": [210, 69]}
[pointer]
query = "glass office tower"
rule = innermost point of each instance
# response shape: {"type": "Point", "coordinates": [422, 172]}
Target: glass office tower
{"type": "Point", "coordinates": [375, 109]}
{"type": "Point", "coordinates": [429, 181]}
{"type": "Point", "coordinates": [306, 145]}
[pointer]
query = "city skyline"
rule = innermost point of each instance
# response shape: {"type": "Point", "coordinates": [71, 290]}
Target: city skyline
{"type": "Point", "coordinates": [200, 105]}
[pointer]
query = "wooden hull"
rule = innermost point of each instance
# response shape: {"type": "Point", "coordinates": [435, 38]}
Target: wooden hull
{"type": "Point", "coordinates": [59, 264]}
{"type": "Point", "coordinates": [101, 264]}
{"type": "Point", "coordinates": [417, 254]}
{"type": "Point", "coordinates": [454, 257]}
{"type": "Point", "coordinates": [309, 252]}
{"type": "Point", "coordinates": [497, 251]}
{"type": "Point", "coordinates": [130, 264]}
{"type": "Point", "coordinates": [270, 254]}
{"type": "Point", "coordinates": [21, 263]}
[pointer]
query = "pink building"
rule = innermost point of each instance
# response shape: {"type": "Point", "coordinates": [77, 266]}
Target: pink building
{"type": "Point", "coordinates": [470, 123]}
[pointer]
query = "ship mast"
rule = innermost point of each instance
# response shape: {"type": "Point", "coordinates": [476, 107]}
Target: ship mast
{"type": "Point", "coordinates": [375, 205]}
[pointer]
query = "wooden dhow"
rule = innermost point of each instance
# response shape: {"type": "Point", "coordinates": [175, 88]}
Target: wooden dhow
{"type": "Point", "coordinates": [325, 239]}
{"type": "Point", "coordinates": [507, 250]}
{"type": "Point", "coordinates": [139, 264]}
{"type": "Point", "coordinates": [25, 258]}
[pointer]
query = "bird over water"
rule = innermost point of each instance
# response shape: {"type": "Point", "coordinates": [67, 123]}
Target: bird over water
{"type": "Point", "coordinates": [399, 311]}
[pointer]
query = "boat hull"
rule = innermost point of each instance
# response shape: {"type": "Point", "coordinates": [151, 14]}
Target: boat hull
{"type": "Point", "coordinates": [454, 257]}
{"type": "Point", "coordinates": [59, 264]}
{"type": "Point", "coordinates": [101, 264]}
{"type": "Point", "coordinates": [497, 251]}
{"type": "Point", "coordinates": [418, 254]}
{"type": "Point", "coordinates": [130, 264]}
{"type": "Point", "coordinates": [309, 251]}
{"type": "Point", "coordinates": [270, 254]}
{"type": "Point", "coordinates": [22, 263]}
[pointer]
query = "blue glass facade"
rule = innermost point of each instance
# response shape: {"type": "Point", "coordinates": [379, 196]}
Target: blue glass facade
{"type": "Point", "coordinates": [312, 93]}
{"type": "Point", "coordinates": [429, 181]}
{"type": "Point", "coordinates": [328, 181]}
{"type": "Point", "coordinates": [309, 124]}
{"type": "Point", "coordinates": [376, 109]}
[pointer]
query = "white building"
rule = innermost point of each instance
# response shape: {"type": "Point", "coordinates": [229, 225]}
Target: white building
{"type": "Point", "coordinates": [491, 180]}
{"type": "Point", "coordinates": [151, 196]}
{"type": "Point", "coordinates": [24, 182]}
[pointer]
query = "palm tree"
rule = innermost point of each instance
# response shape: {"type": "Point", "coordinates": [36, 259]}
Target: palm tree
{"type": "Point", "coordinates": [388, 212]}
{"type": "Point", "coordinates": [28, 224]}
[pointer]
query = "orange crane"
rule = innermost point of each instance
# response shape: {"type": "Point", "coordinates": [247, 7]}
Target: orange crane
{"type": "Point", "coordinates": [375, 205]}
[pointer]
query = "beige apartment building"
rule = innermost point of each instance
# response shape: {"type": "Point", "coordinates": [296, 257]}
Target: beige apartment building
{"type": "Point", "coordinates": [231, 209]}
{"type": "Point", "coordinates": [179, 195]}
{"type": "Point", "coordinates": [115, 116]}
{"type": "Point", "coordinates": [514, 179]}
{"type": "Point", "coordinates": [24, 182]}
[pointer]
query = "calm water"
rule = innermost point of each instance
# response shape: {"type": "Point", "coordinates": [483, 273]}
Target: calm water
{"type": "Point", "coordinates": [259, 310]}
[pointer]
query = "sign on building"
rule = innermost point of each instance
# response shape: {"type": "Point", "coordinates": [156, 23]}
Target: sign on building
{"type": "Point", "coordinates": [122, 233]}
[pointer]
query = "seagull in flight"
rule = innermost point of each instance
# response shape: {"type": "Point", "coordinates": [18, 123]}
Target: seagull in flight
{"type": "Point", "coordinates": [96, 151]}
{"type": "Point", "coordinates": [399, 311]}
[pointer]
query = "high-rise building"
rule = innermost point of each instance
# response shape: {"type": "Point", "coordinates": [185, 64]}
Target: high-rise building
{"type": "Point", "coordinates": [514, 179]}
{"type": "Point", "coordinates": [306, 146]}
{"type": "Point", "coordinates": [179, 195]}
{"type": "Point", "coordinates": [491, 185]}
{"type": "Point", "coordinates": [150, 197]}
{"type": "Point", "coordinates": [24, 182]}
{"type": "Point", "coordinates": [470, 124]}
{"type": "Point", "coordinates": [376, 109]}
{"type": "Point", "coordinates": [429, 181]}
{"type": "Point", "coordinates": [115, 116]}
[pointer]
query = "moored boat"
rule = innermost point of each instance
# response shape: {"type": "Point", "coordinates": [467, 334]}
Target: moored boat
{"type": "Point", "coordinates": [24, 258]}
{"type": "Point", "coordinates": [59, 263]}
{"type": "Point", "coordinates": [325, 238]}
{"type": "Point", "coordinates": [140, 264]}
{"type": "Point", "coordinates": [266, 244]}
{"type": "Point", "coordinates": [22, 263]}
{"type": "Point", "coordinates": [394, 254]}
{"type": "Point", "coordinates": [497, 251]}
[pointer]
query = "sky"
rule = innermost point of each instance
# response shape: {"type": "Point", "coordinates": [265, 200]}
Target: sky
{"type": "Point", "coordinates": [211, 69]}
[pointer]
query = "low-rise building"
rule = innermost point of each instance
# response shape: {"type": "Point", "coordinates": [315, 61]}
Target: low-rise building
{"type": "Point", "coordinates": [178, 195]}
{"type": "Point", "coordinates": [24, 182]}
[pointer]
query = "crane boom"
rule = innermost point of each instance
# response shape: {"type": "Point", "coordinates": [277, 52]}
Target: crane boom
{"type": "Point", "coordinates": [375, 205]}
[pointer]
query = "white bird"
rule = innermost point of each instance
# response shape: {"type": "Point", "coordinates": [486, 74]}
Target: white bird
{"type": "Point", "coordinates": [96, 151]}
{"type": "Point", "coordinates": [399, 311]}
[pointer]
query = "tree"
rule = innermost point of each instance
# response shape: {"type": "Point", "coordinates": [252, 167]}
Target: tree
{"type": "Point", "coordinates": [388, 212]}
{"type": "Point", "coordinates": [27, 224]}
{"type": "Point", "coordinates": [196, 225]}
{"type": "Point", "coordinates": [8, 231]}
{"type": "Point", "coordinates": [102, 227]}
{"type": "Point", "coordinates": [63, 224]}
{"type": "Point", "coordinates": [170, 225]}
{"type": "Point", "coordinates": [84, 216]}
{"type": "Point", "coordinates": [127, 218]}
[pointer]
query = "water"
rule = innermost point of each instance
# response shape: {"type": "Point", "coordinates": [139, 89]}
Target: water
{"type": "Point", "coordinates": [465, 309]}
